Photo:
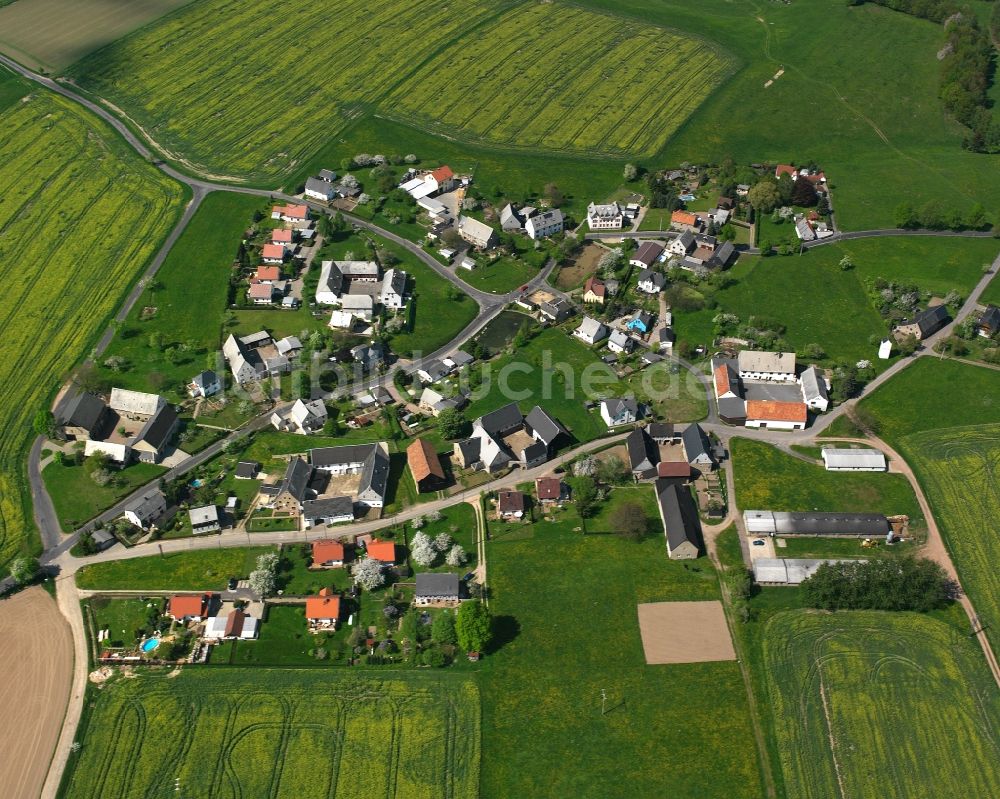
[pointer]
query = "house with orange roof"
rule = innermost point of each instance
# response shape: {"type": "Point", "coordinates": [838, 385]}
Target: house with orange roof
{"type": "Point", "coordinates": [726, 380]}
{"type": "Point", "coordinates": [785, 169]}
{"type": "Point", "coordinates": [323, 611]}
{"type": "Point", "coordinates": [281, 235]}
{"type": "Point", "coordinates": [685, 220]}
{"type": "Point", "coordinates": [328, 554]}
{"type": "Point", "coordinates": [268, 274]}
{"type": "Point", "coordinates": [594, 291]}
{"type": "Point", "coordinates": [441, 179]}
{"type": "Point", "coordinates": [384, 551]}
{"type": "Point", "coordinates": [290, 213]}
{"type": "Point", "coordinates": [273, 253]}
{"type": "Point", "coordinates": [776, 415]}
{"type": "Point", "coordinates": [425, 466]}
{"type": "Point", "coordinates": [189, 607]}
{"type": "Point", "coordinates": [261, 293]}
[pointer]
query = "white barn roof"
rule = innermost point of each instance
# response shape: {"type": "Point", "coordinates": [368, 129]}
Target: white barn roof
{"type": "Point", "coordinates": [866, 459]}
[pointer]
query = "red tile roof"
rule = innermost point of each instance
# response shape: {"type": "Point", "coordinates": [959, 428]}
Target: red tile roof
{"type": "Point", "coordinates": [784, 169]}
{"type": "Point", "coordinates": [722, 380]}
{"type": "Point", "coordinates": [684, 218]}
{"type": "Point", "coordinates": [188, 605]}
{"type": "Point", "coordinates": [281, 236]}
{"type": "Point", "coordinates": [384, 551]}
{"type": "Point", "coordinates": [673, 469]}
{"type": "Point", "coordinates": [596, 286]}
{"type": "Point", "coordinates": [548, 487]}
{"type": "Point", "coordinates": [327, 550]}
{"type": "Point", "coordinates": [442, 173]}
{"type": "Point", "coordinates": [261, 291]}
{"type": "Point", "coordinates": [511, 502]}
{"type": "Point", "coordinates": [774, 411]}
{"type": "Point", "coordinates": [273, 251]}
{"type": "Point", "coordinates": [323, 606]}
{"type": "Point", "coordinates": [268, 272]}
{"type": "Point", "coordinates": [423, 460]}
{"type": "Point", "coordinates": [234, 623]}
{"type": "Point", "coordinates": [296, 211]}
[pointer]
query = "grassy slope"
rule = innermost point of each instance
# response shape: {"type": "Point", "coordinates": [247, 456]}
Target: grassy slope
{"type": "Point", "coordinates": [81, 217]}
{"type": "Point", "coordinates": [907, 702]}
{"type": "Point", "coordinates": [769, 479]}
{"type": "Point", "coordinates": [567, 607]}
{"type": "Point", "coordinates": [201, 570]}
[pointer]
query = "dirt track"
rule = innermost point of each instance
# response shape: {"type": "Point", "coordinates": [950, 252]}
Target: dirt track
{"type": "Point", "coordinates": [36, 660]}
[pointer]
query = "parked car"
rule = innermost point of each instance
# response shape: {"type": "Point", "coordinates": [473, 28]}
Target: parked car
{"type": "Point", "coordinates": [759, 542]}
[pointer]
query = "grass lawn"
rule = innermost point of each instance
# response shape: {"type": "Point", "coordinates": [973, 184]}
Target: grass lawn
{"type": "Point", "coordinates": [566, 605]}
{"type": "Point", "coordinates": [259, 523]}
{"type": "Point", "coordinates": [992, 292]}
{"type": "Point", "coordinates": [499, 276]}
{"type": "Point", "coordinates": [199, 570]}
{"type": "Point", "coordinates": [555, 371]}
{"type": "Point", "coordinates": [673, 397]}
{"type": "Point", "coordinates": [769, 479]}
{"type": "Point", "coordinates": [287, 728]}
{"type": "Point", "coordinates": [77, 498]}
{"type": "Point", "coordinates": [187, 324]}
{"type": "Point", "coordinates": [500, 332]}
{"type": "Point", "coordinates": [123, 618]}
{"type": "Point", "coordinates": [880, 704]}
{"type": "Point", "coordinates": [459, 522]}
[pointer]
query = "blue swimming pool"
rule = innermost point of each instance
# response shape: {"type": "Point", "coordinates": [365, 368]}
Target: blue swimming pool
{"type": "Point", "coordinates": [196, 483]}
{"type": "Point", "coordinates": [150, 644]}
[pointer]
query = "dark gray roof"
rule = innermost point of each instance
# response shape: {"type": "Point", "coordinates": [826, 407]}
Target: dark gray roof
{"type": "Point", "coordinates": [326, 508]}
{"type": "Point", "coordinates": [686, 238]}
{"type": "Point", "coordinates": [296, 479]}
{"type": "Point", "coordinates": [816, 523]}
{"type": "Point", "coordinates": [723, 253]}
{"type": "Point", "coordinates": [695, 443]}
{"type": "Point", "coordinates": [544, 426]}
{"type": "Point", "coordinates": [557, 309]}
{"type": "Point", "coordinates": [533, 452]}
{"type": "Point", "coordinates": [88, 412]}
{"type": "Point", "coordinates": [645, 317]}
{"type": "Point", "coordinates": [680, 517]}
{"type": "Point", "coordinates": [470, 449]}
{"type": "Point", "coordinates": [439, 584]}
{"type": "Point", "coordinates": [930, 320]}
{"type": "Point", "coordinates": [990, 318]}
{"type": "Point", "coordinates": [733, 408]}
{"type": "Point", "coordinates": [158, 428]}
{"type": "Point", "coordinates": [375, 474]}
{"type": "Point", "coordinates": [648, 252]}
{"type": "Point", "coordinates": [318, 185]}
{"type": "Point", "coordinates": [334, 456]}
{"type": "Point", "coordinates": [502, 420]}
{"type": "Point", "coordinates": [327, 174]}
{"type": "Point", "coordinates": [659, 430]}
{"type": "Point", "coordinates": [642, 453]}
{"type": "Point", "coordinates": [206, 378]}
{"type": "Point", "coordinates": [247, 469]}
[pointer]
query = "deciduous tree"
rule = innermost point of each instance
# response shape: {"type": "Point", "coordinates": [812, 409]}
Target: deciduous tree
{"type": "Point", "coordinates": [474, 626]}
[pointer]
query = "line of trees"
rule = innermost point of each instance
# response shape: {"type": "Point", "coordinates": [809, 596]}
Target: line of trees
{"type": "Point", "coordinates": [880, 584]}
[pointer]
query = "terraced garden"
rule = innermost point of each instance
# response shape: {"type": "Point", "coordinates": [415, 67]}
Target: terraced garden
{"type": "Point", "coordinates": [311, 735]}
{"type": "Point", "coordinates": [506, 74]}
{"type": "Point", "coordinates": [870, 704]}
{"type": "Point", "coordinates": [550, 76]}
{"type": "Point", "coordinates": [80, 217]}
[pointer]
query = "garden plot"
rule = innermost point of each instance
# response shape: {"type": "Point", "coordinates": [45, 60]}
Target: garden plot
{"type": "Point", "coordinates": [685, 632]}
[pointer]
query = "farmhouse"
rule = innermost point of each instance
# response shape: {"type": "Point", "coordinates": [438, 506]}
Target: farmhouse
{"type": "Point", "coordinates": [236, 624]}
{"type": "Point", "coordinates": [619, 411]}
{"type": "Point", "coordinates": [547, 223]}
{"type": "Point", "coordinates": [854, 460]}
{"type": "Point", "coordinates": [663, 433]}
{"type": "Point", "coordinates": [924, 324]}
{"type": "Point", "coordinates": [370, 461]}
{"type": "Point", "coordinates": [336, 278]}
{"type": "Point", "coordinates": [697, 448]}
{"type": "Point", "coordinates": [815, 523]}
{"type": "Point", "coordinates": [436, 589]}
{"type": "Point", "coordinates": [788, 571]}
{"type": "Point", "coordinates": [329, 510]}
{"type": "Point", "coordinates": [319, 189]}
{"type": "Point", "coordinates": [510, 505]}
{"type": "Point", "coordinates": [814, 389]}
{"type": "Point", "coordinates": [773, 366]}
{"type": "Point", "coordinates": [425, 466]}
{"type": "Point", "coordinates": [302, 417]}
{"type": "Point", "coordinates": [353, 306]}
{"type": "Point", "coordinates": [253, 357]}
{"type": "Point", "coordinates": [591, 330]}
{"type": "Point", "coordinates": [189, 607]}
{"type": "Point", "coordinates": [594, 291]}
{"type": "Point", "coordinates": [289, 346]}
{"type": "Point", "coordinates": [649, 253]}
{"type": "Point", "coordinates": [204, 519]}
{"type": "Point", "coordinates": [988, 323]}
{"type": "Point", "coordinates": [680, 519]}
{"type": "Point", "coordinates": [288, 495]}
{"type": "Point", "coordinates": [328, 554]}
{"type": "Point", "coordinates": [151, 442]}
{"type": "Point", "coordinates": [673, 470]}
{"type": "Point", "coordinates": [135, 404]}
{"type": "Point", "coordinates": [642, 454]}
{"type": "Point", "coordinates": [204, 384]}
{"type": "Point", "coordinates": [323, 611]}
{"type": "Point", "coordinates": [510, 220]}
{"type": "Point", "coordinates": [476, 233]}
{"type": "Point", "coordinates": [776, 415]}
{"type": "Point", "coordinates": [725, 380]}
{"type": "Point", "coordinates": [393, 289]}
{"type": "Point", "coordinates": [605, 217]}
{"type": "Point", "coordinates": [506, 437]}
{"type": "Point", "coordinates": [86, 417]}
{"type": "Point", "coordinates": [147, 511]}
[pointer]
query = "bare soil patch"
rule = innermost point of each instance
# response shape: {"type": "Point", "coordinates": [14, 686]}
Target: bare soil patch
{"type": "Point", "coordinates": [36, 661]}
{"type": "Point", "coordinates": [685, 632]}
{"type": "Point", "coordinates": [584, 265]}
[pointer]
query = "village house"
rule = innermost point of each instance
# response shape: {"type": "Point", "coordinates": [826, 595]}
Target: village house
{"type": "Point", "coordinates": [641, 323]}
{"type": "Point", "coordinates": [685, 221]}
{"type": "Point", "coordinates": [328, 554]}
{"type": "Point", "coordinates": [382, 551]}
{"type": "Point", "coordinates": [246, 361]}
{"type": "Point", "coordinates": [393, 291]}
{"type": "Point", "coordinates": [323, 611]}
{"type": "Point", "coordinates": [682, 244]}
{"type": "Point", "coordinates": [506, 437]}
{"type": "Point", "coordinates": [988, 323]}
{"type": "Point", "coordinates": [437, 589]}
{"type": "Point", "coordinates": [152, 441]}
{"type": "Point", "coordinates": [318, 189]}
{"type": "Point", "coordinates": [290, 213]}
{"type": "Point", "coordinates": [432, 371]}
{"type": "Point", "coordinates": [510, 505]}
{"type": "Point", "coordinates": [476, 233]}
{"type": "Point", "coordinates": [288, 495]}
{"type": "Point", "coordinates": [204, 519]}
{"type": "Point", "coordinates": [86, 417]}
{"type": "Point", "coordinates": [425, 466]}
{"type": "Point", "coordinates": [135, 405]}
{"type": "Point", "coordinates": [282, 236]}
{"type": "Point", "coordinates": [147, 511]}
{"type": "Point", "coordinates": [594, 291]}
{"type": "Point", "coordinates": [609, 216]}
{"type": "Point", "coordinates": [302, 418]}
{"type": "Point", "coordinates": [556, 310]}
{"type": "Point", "coordinates": [591, 331]}
{"type": "Point", "coordinates": [370, 461]}
{"type": "Point", "coordinates": [643, 454]}
{"type": "Point", "coordinates": [204, 384]}
{"type": "Point", "coordinates": [273, 253]}
{"type": "Point", "coordinates": [725, 380]}
{"type": "Point", "coordinates": [772, 366]}
{"type": "Point", "coordinates": [434, 402]}
{"type": "Point", "coordinates": [511, 221]}
{"type": "Point", "coordinates": [649, 253]}
{"type": "Point", "coordinates": [247, 470]}
{"type": "Point", "coordinates": [619, 411]}
{"type": "Point", "coordinates": [651, 282]}
{"type": "Point", "coordinates": [924, 324]}
{"type": "Point", "coordinates": [550, 491]}
{"type": "Point", "coordinates": [619, 342]}
{"type": "Point", "coordinates": [697, 448]}
{"type": "Point", "coordinates": [776, 415]}
{"type": "Point", "coordinates": [264, 293]}
{"type": "Point", "coordinates": [236, 624]}
{"type": "Point", "coordinates": [547, 223]}
{"type": "Point", "coordinates": [328, 510]}
{"type": "Point", "coordinates": [185, 608]}
{"type": "Point", "coordinates": [814, 389]}
{"type": "Point", "coordinates": [681, 526]}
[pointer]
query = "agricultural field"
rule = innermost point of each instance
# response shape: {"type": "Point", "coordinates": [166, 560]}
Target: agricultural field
{"type": "Point", "coordinates": [958, 469]}
{"type": "Point", "coordinates": [871, 704]}
{"type": "Point", "coordinates": [49, 35]}
{"type": "Point", "coordinates": [81, 217]}
{"type": "Point", "coordinates": [566, 609]}
{"type": "Point", "coordinates": [298, 733]}
{"type": "Point", "coordinates": [556, 77]}
{"type": "Point", "coordinates": [769, 479]}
